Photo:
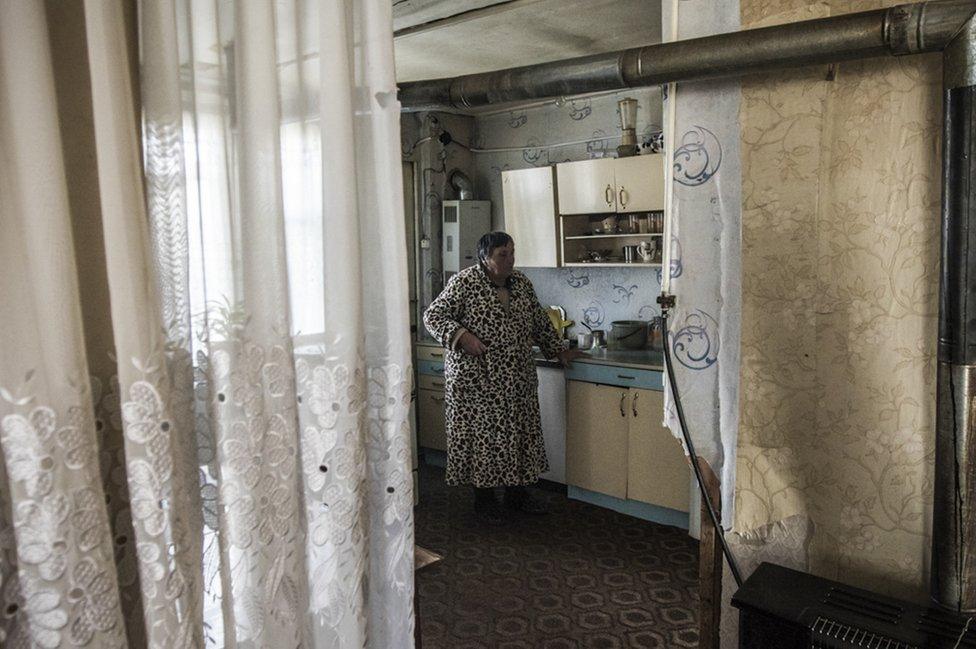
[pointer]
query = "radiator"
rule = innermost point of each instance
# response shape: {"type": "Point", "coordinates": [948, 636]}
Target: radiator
{"type": "Point", "coordinates": [781, 608]}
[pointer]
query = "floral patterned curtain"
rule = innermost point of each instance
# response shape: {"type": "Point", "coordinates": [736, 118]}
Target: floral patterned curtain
{"type": "Point", "coordinates": [204, 357]}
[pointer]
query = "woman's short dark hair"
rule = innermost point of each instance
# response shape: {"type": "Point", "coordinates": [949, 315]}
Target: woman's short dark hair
{"type": "Point", "coordinates": [488, 242]}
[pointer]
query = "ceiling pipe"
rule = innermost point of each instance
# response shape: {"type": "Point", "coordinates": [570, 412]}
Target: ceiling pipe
{"type": "Point", "coordinates": [902, 29]}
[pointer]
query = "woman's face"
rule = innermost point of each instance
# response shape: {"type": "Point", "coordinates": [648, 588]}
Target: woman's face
{"type": "Point", "coordinates": [501, 261]}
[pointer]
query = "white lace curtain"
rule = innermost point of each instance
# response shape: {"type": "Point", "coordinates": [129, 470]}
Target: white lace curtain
{"type": "Point", "coordinates": [204, 370]}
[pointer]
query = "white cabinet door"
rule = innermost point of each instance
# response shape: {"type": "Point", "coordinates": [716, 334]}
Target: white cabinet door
{"type": "Point", "coordinates": [552, 411]}
{"type": "Point", "coordinates": [530, 216]}
{"type": "Point", "coordinates": [586, 187]}
{"type": "Point", "coordinates": [640, 183]}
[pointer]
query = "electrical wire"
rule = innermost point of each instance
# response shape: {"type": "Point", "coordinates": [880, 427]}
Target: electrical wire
{"type": "Point", "coordinates": [669, 368]}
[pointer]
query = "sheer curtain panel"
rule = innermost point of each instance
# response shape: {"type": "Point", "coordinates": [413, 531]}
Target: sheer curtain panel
{"type": "Point", "coordinates": [204, 355]}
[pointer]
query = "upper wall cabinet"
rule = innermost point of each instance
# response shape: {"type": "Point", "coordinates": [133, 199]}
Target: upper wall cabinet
{"type": "Point", "coordinates": [640, 183]}
{"type": "Point", "coordinates": [587, 186]}
{"type": "Point", "coordinates": [530, 216]}
{"type": "Point", "coordinates": [634, 184]}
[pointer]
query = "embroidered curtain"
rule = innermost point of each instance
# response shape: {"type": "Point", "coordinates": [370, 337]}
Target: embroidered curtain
{"type": "Point", "coordinates": [204, 368]}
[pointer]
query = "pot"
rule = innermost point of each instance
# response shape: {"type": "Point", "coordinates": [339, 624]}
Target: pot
{"type": "Point", "coordinates": [628, 334]}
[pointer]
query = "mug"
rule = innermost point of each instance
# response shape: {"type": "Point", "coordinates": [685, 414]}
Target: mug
{"type": "Point", "coordinates": [584, 340]}
{"type": "Point", "coordinates": [647, 251]}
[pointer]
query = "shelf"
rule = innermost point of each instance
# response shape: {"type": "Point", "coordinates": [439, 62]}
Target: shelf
{"type": "Point", "coordinates": [577, 237]}
{"type": "Point", "coordinates": [641, 264]}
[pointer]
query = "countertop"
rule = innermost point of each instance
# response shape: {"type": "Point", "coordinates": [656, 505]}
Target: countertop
{"type": "Point", "coordinates": [645, 359]}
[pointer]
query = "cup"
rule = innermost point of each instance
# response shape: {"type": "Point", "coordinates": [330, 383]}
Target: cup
{"type": "Point", "coordinates": [599, 338]}
{"type": "Point", "coordinates": [633, 224]}
{"type": "Point", "coordinates": [584, 340]}
{"type": "Point", "coordinates": [646, 251]}
{"type": "Point", "coordinates": [610, 224]}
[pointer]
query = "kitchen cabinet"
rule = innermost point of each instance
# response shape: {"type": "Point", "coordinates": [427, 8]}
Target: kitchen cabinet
{"type": "Point", "coordinates": [530, 216]}
{"type": "Point", "coordinates": [586, 186]}
{"type": "Point", "coordinates": [640, 183]}
{"type": "Point", "coordinates": [597, 431]}
{"type": "Point", "coordinates": [431, 429]}
{"type": "Point", "coordinates": [657, 471]}
{"type": "Point", "coordinates": [616, 445]}
{"type": "Point", "coordinates": [552, 416]}
{"type": "Point", "coordinates": [634, 184]}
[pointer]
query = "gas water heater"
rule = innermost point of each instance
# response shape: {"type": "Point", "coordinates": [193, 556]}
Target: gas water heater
{"type": "Point", "coordinates": [463, 223]}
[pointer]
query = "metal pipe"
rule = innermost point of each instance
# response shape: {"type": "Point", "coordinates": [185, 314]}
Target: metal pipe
{"type": "Point", "coordinates": [903, 29]}
{"type": "Point", "coordinates": [954, 511]}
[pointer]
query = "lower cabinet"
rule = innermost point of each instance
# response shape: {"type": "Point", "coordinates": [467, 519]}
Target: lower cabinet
{"type": "Point", "coordinates": [657, 471]}
{"type": "Point", "coordinates": [431, 431]}
{"type": "Point", "coordinates": [596, 438]}
{"type": "Point", "coordinates": [616, 445]}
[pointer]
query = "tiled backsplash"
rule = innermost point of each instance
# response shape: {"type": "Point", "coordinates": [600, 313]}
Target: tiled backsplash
{"type": "Point", "coordinates": [598, 296]}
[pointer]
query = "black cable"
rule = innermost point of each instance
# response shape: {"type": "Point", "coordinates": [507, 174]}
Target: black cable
{"type": "Point", "coordinates": [666, 343]}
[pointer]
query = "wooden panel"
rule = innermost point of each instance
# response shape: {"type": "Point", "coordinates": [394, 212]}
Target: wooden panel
{"type": "Point", "coordinates": [657, 471]}
{"type": "Point", "coordinates": [596, 438]}
{"type": "Point", "coordinates": [430, 416]}
{"type": "Point", "coordinates": [640, 183]}
{"type": "Point", "coordinates": [710, 565]}
{"type": "Point", "coordinates": [530, 216]}
{"type": "Point", "coordinates": [586, 187]}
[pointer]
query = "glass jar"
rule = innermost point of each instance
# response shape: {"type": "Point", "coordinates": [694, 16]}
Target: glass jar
{"type": "Point", "coordinates": [644, 224]}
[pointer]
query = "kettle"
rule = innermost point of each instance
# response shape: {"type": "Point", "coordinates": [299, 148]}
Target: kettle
{"type": "Point", "coordinates": [557, 315]}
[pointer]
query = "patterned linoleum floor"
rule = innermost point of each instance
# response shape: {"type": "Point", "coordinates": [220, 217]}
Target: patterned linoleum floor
{"type": "Point", "coordinates": [581, 577]}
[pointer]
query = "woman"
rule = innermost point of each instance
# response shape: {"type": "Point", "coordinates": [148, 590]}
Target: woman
{"type": "Point", "coordinates": [488, 317]}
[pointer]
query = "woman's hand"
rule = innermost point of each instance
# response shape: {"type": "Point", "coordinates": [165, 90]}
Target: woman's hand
{"type": "Point", "coordinates": [567, 356]}
{"type": "Point", "coordinates": [471, 344]}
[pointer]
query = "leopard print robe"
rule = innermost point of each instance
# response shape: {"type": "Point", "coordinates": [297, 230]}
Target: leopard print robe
{"type": "Point", "coordinates": [494, 436]}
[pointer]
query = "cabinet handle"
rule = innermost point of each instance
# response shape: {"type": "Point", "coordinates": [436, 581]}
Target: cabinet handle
{"type": "Point", "coordinates": [623, 396]}
{"type": "Point", "coordinates": [437, 354]}
{"type": "Point", "coordinates": [621, 194]}
{"type": "Point", "coordinates": [623, 376]}
{"type": "Point", "coordinates": [436, 384]}
{"type": "Point", "coordinates": [437, 399]}
{"type": "Point", "coordinates": [634, 404]}
{"type": "Point", "coordinates": [608, 195]}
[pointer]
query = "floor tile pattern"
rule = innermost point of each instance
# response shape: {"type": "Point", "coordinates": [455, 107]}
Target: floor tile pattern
{"type": "Point", "coordinates": [581, 577]}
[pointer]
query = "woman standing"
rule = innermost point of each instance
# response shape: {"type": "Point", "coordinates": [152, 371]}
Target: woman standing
{"type": "Point", "coordinates": [488, 318]}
